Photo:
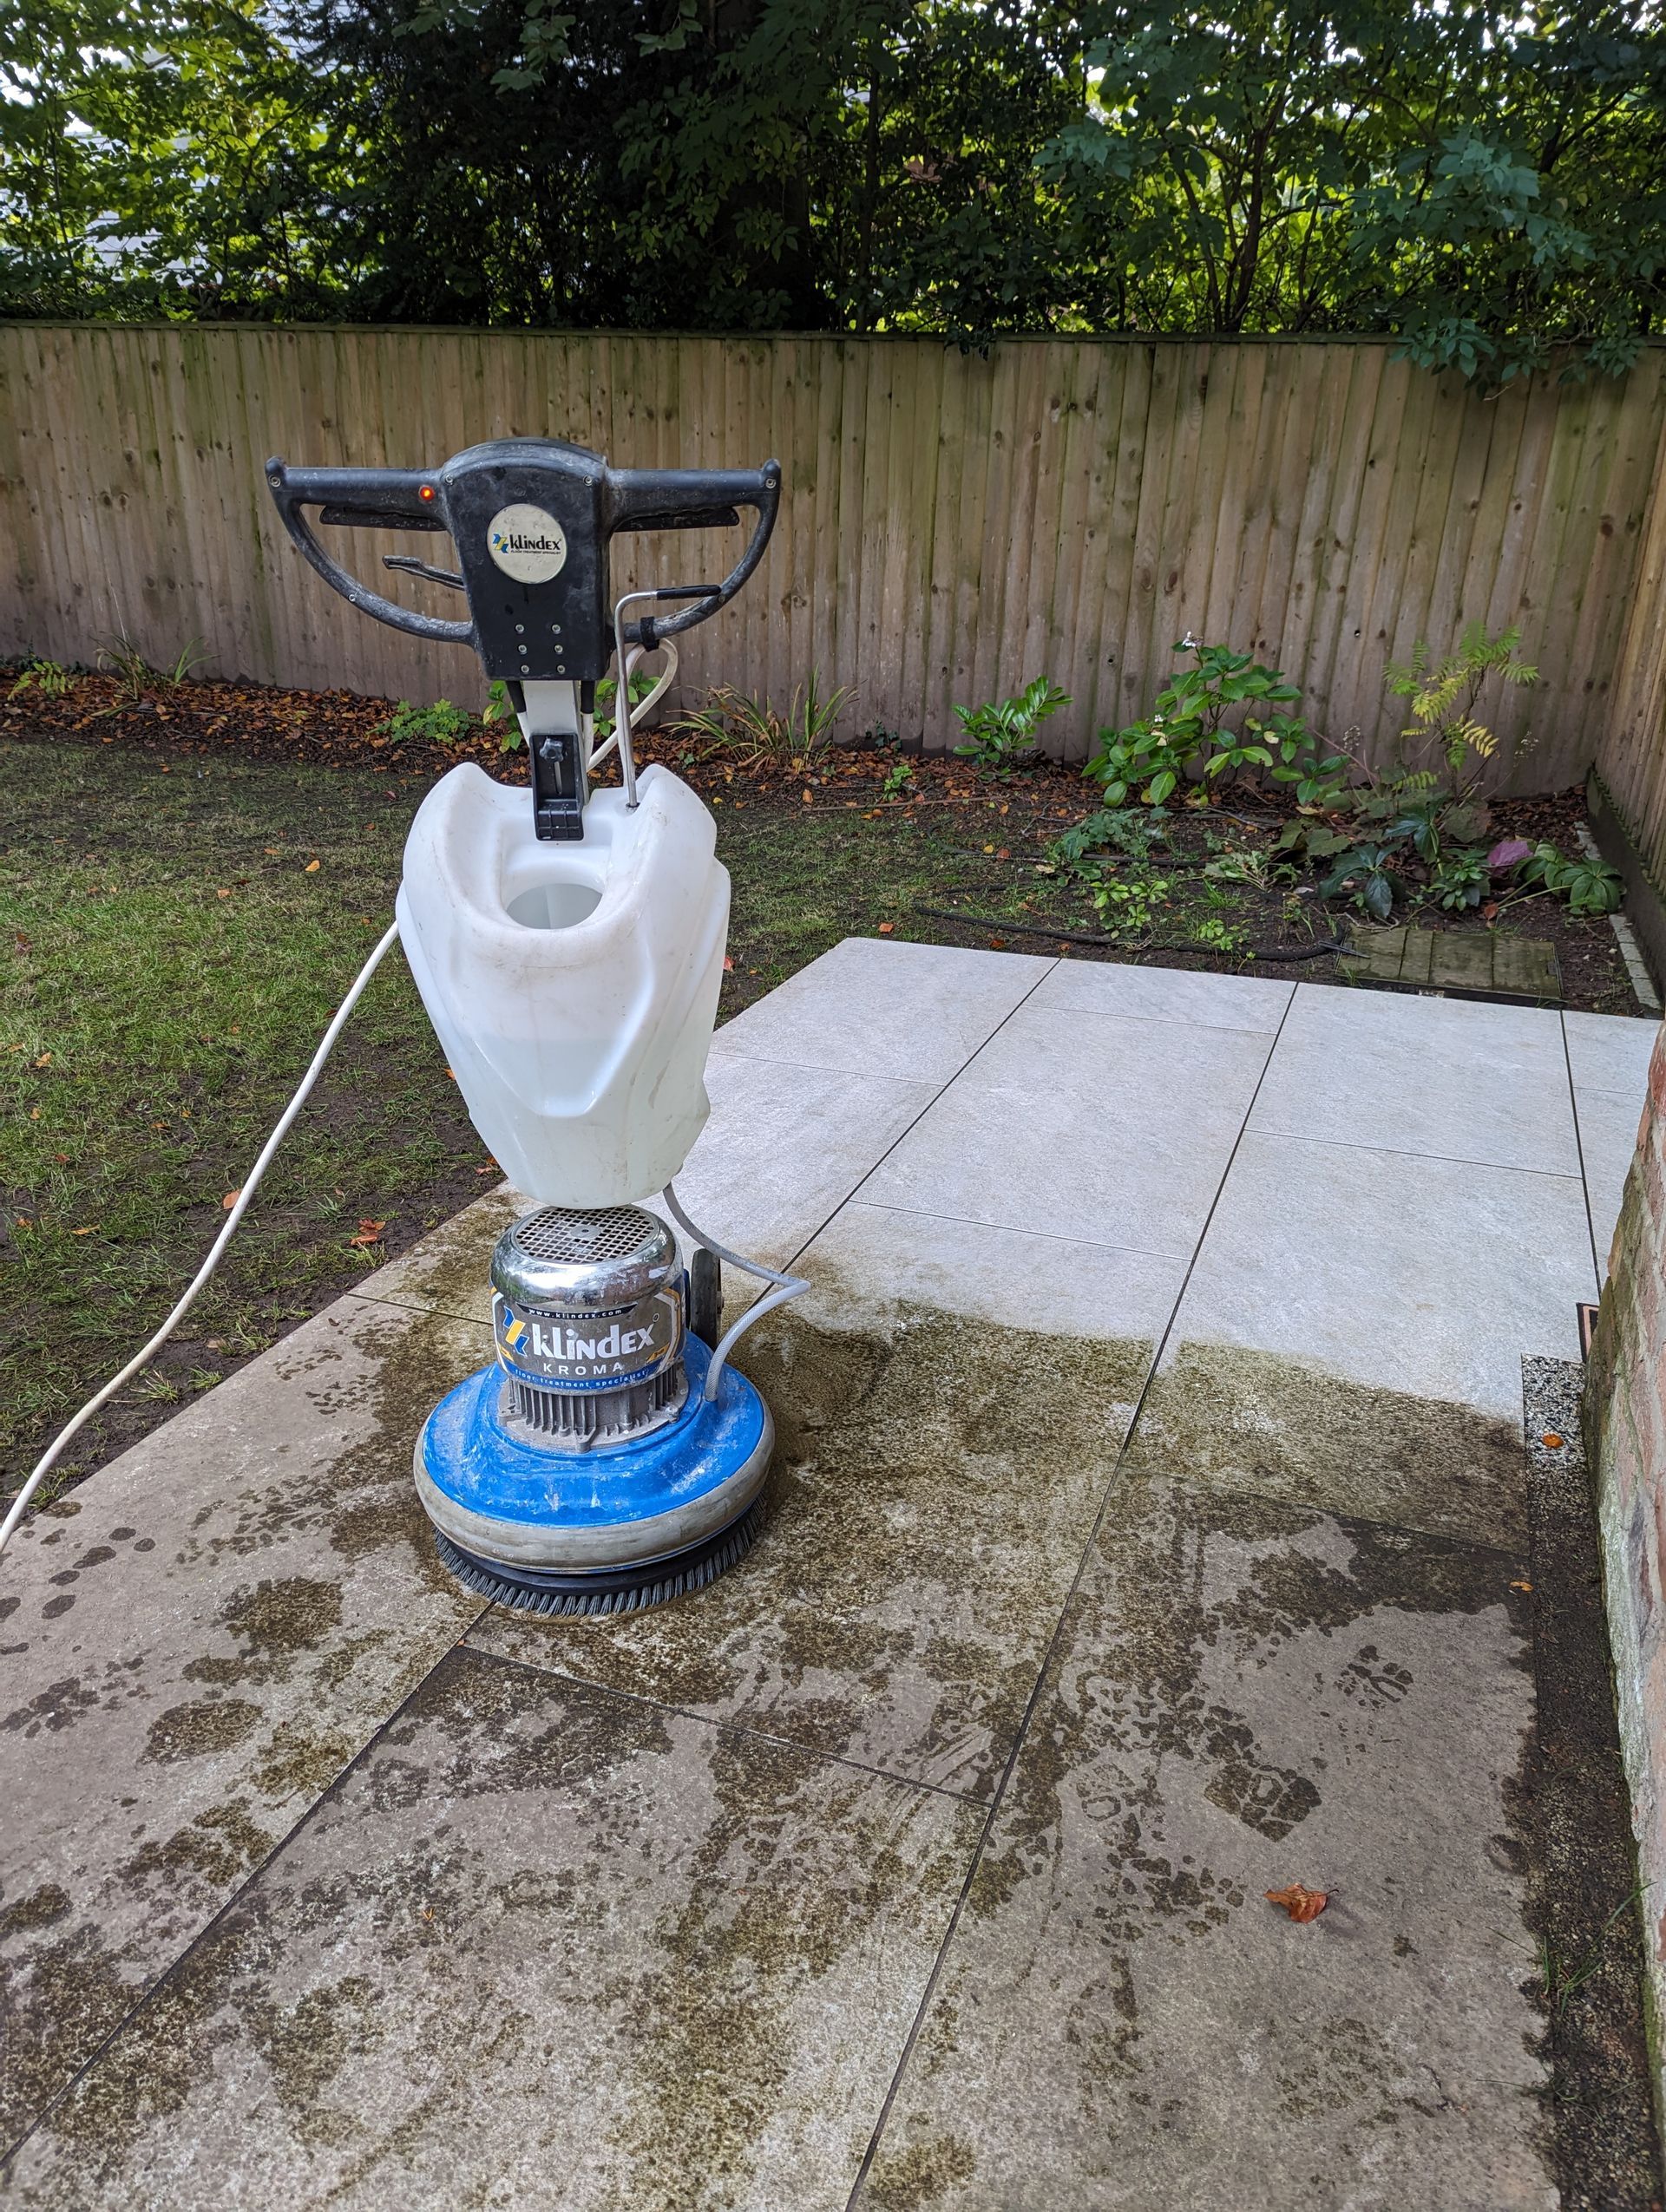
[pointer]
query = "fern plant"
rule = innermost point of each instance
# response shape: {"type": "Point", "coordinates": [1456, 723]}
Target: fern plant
{"type": "Point", "coordinates": [1445, 695]}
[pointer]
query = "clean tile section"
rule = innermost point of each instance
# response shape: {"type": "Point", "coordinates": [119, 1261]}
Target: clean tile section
{"type": "Point", "coordinates": [1444, 1076]}
{"type": "Point", "coordinates": [1085, 1126]}
{"type": "Point", "coordinates": [1166, 995]}
{"type": "Point", "coordinates": [868, 1007]}
{"type": "Point", "coordinates": [1610, 1053]}
{"type": "Point", "coordinates": [198, 1640]}
{"type": "Point", "coordinates": [875, 1261]}
{"type": "Point", "coordinates": [543, 1947]}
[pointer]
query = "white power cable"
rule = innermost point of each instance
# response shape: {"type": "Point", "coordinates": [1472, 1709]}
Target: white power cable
{"type": "Point", "coordinates": [786, 1287]}
{"type": "Point", "coordinates": [48, 1459]}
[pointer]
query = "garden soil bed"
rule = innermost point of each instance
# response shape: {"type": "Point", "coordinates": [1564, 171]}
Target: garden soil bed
{"type": "Point", "coordinates": [986, 879]}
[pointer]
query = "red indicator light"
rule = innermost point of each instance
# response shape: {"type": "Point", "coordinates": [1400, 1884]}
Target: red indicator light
{"type": "Point", "coordinates": [426, 492]}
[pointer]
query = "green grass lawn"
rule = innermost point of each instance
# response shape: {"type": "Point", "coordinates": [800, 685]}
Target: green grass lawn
{"type": "Point", "coordinates": [176, 933]}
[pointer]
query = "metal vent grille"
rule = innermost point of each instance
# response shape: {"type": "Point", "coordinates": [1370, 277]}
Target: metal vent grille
{"type": "Point", "coordinates": [579, 1416]}
{"type": "Point", "coordinates": [569, 1237]}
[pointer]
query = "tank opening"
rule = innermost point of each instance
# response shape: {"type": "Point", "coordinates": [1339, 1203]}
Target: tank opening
{"type": "Point", "coordinates": [554, 904]}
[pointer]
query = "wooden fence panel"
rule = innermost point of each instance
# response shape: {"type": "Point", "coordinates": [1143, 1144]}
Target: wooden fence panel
{"type": "Point", "coordinates": [954, 524]}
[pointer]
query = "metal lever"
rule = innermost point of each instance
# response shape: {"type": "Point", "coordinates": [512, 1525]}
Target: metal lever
{"type": "Point", "coordinates": [622, 675]}
{"type": "Point", "coordinates": [412, 566]}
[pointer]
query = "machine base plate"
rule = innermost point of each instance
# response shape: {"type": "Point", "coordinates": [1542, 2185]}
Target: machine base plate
{"type": "Point", "coordinates": [630, 1589]}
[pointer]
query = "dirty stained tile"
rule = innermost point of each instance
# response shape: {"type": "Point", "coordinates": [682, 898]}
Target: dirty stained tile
{"type": "Point", "coordinates": [196, 1640]}
{"type": "Point", "coordinates": [935, 1479]}
{"type": "Point", "coordinates": [542, 1947]}
{"type": "Point", "coordinates": [446, 1270]}
{"type": "Point", "coordinates": [873, 1007]}
{"type": "Point", "coordinates": [1248, 1695]}
{"type": "Point", "coordinates": [1352, 1330]}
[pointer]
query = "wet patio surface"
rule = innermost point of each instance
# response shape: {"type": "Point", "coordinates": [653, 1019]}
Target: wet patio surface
{"type": "Point", "coordinates": [1148, 1533]}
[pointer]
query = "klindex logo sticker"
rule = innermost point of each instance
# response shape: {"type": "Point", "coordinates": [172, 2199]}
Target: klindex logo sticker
{"type": "Point", "coordinates": [527, 544]}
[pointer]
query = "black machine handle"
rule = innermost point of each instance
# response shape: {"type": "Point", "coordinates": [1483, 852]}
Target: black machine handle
{"type": "Point", "coordinates": [634, 500]}
{"type": "Point", "coordinates": [383, 498]}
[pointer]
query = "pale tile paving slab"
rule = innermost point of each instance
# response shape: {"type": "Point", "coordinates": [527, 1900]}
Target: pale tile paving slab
{"type": "Point", "coordinates": [1165, 995]}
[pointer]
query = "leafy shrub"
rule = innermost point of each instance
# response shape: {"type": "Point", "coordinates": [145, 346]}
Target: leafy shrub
{"type": "Point", "coordinates": [1460, 878]}
{"type": "Point", "coordinates": [1133, 830]}
{"type": "Point", "coordinates": [1366, 876]}
{"type": "Point", "coordinates": [45, 677]}
{"type": "Point", "coordinates": [1445, 695]}
{"type": "Point", "coordinates": [1001, 734]}
{"type": "Point", "coordinates": [1186, 729]}
{"type": "Point", "coordinates": [440, 724]}
{"type": "Point", "coordinates": [1588, 885]}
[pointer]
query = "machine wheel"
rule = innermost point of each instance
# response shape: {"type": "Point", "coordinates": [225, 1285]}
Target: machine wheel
{"type": "Point", "coordinates": [706, 1297]}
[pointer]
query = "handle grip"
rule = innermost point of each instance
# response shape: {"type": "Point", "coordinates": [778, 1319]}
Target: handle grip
{"type": "Point", "coordinates": [387, 499]}
{"type": "Point", "coordinates": [684, 498]}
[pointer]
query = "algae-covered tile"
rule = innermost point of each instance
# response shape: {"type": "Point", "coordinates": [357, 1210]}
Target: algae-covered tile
{"type": "Point", "coordinates": [1248, 1695]}
{"type": "Point", "coordinates": [543, 1947]}
{"type": "Point", "coordinates": [197, 1641]}
{"type": "Point", "coordinates": [936, 1478]}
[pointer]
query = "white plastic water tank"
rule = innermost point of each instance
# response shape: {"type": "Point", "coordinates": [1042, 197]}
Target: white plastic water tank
{"type": "Point", "coordinates": [572, 986]}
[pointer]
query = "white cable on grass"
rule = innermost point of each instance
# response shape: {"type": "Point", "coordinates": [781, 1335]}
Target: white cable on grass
{"type": "Point", "coordinates": [48, 1457]}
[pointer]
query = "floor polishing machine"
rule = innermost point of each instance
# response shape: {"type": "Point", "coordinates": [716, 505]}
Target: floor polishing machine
{"type": "Point", "coordinates": [569, 945]}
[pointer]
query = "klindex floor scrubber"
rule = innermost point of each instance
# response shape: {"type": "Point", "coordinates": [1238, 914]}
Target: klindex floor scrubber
{"type": "Point", "coordinates": [569, 951]}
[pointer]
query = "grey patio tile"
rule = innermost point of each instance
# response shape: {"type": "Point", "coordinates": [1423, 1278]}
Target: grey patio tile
{"type": "Point", "coordinates": [542, 1948]}
{"type": "Point", "coordinates": [1608, 1143]}
{"type": "Point", "coordinates": [445, 1272]}
{"type": "Point", "coordinates": [1245, 1695]}
{"type": "Point", "coordinates": [936, 1478]}
{"type": "Point", "coordinates": [1446, 1077]}
{"type": "Point", "coordinates": [876, 1008]}
{"type": "Point", "coordinates": [1166, 995]}
{"type": "Point", "coordinates": [878, 1259]}
{"type": "Point", "coordinates": [1076, 1124]}
{"type": "Point", "coordinates": [198, 1639]}
{"type": "Point", "coordinates": [1610, 1053]}
{"type": "Point", "coordinates": [1352, 1331]}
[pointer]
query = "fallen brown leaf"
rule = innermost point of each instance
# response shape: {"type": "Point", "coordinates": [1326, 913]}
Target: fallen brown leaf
{"type": "Point", "coordinates": [368, 1233]}
{"type": "Point", "coordinates": [1299, 1902]}
{"type": "Point", "coordinates": [311, 869]}
{"type": "Point", "coordinates": [1551, 1441]}
{"type": "Point", "coordinates": [231, 1199]}
{"type": "Point", "coordinates": [87, 1232]}
{"type": "Point", "coordinates": [885, 928]}
{"type": "Point", "coordinates": [1521, 1585]}
{"type": "Point", "coordinates": [45, 1060]}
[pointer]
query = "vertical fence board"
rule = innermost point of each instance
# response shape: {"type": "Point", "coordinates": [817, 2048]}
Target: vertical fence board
{"type": "Point", "coordinates": [952, 524]}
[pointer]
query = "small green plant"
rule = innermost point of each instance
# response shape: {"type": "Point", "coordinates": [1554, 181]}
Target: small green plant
{"type": "Point", "coordinates": [898, 778]}
{"type": "Point", "coordinates": [1588, 885]}
{"type": "Point", "coordinates": [440, 724]}
{"type": "Point", "coordinates": [1126, 906]}
{"type": "Point", "coordinates": [1460, 878]}
{"type": "Point", "coordinates": [187, 659]}
{"type": "Point", "coordinates": [754, 730]}
{"type": "Point", "coordinates": [133, 672]}
{"type": "Point", "coordinates": [45, 677]}
{"type": "Point", "coordinates": [1001, 734]}
{"type": "Point", "coordinates": [1249, 864]}
{"type": "Point", "coordinates": [1319, 778]}
{"type": "Point", "coordinates": [1366, 876]}
{"type": "Point", "coordinates": [607, 690]}
{"type": "Point", "coordinates": [499, 707]}
{"type": "Point", "coordinates": [1133, 830]}
{"type": "Point", "coordinates": [1563, 1982]}
{"type": "Point", "coordinates": [1187, 727]}
{"type": "Point", "coordinates": [1445, 695]}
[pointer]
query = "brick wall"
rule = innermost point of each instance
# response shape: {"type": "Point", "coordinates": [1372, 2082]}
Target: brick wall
{"type": "Point", "coordinates": [1625, 1422]}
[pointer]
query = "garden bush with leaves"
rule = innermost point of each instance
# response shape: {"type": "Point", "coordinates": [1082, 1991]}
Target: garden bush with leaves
{"type": "Point", "coordinates": [1221, 715]}
{"type": "Point", "coordinates": [1001, 734]}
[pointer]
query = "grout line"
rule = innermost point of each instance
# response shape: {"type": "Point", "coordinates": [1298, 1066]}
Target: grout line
{"type": "Point", "coordinates": [808, 1751]}
{"type": "Point", "coordinates": [1400, 1152]}
{"type": "Point", "coordinates": [831, 1068]}
{"type": "Point", "coordinates": [148, 1991]}
{"type": "Point", "coordinates": [1579, 1147]}
{"type": "Point", "coordinates": [1021, 1733]}
{"type": "Point", "coordinates": [1010, 1228]}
